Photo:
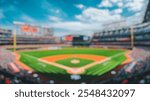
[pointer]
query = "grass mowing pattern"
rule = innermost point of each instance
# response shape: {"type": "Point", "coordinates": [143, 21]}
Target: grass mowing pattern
{"type": "Point", "coordinates": [31, 59]}
{"type": "Point", "coordinates": [92, 51]}
{"type": "Point", "coordinates": [40, 67]}
{"type": "Point", "coordinates": [105, 67]}
{"type": "Point", "coordinates": [67, 62]}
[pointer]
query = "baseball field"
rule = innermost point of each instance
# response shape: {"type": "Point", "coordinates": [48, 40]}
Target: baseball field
{"type": "Point", "coordinates": [83, 61]}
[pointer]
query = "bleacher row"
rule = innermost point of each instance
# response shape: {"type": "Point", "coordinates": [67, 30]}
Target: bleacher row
{"type": "Point", "coordinates": [122, 36]}
{"type": "Point", "coordinates": [136, 72]}
{"type": "Point", "coordinates": [12, 73]}
{"type": "Point", "coordinates": [27, 40]}
{"type": "Point", "coordinates": [22, 77]}
{"type": "Point", "coordinates": [5, 57]}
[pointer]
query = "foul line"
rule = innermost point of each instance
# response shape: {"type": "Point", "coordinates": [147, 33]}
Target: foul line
{"type": "Point", "coordinates": [75, 70]}
{"type": "Point", "coordinates": [99, 62]}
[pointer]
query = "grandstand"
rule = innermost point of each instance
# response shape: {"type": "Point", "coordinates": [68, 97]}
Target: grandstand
{"type": "Point", "coordinates": [126, 37]}
{"type": "Point", "coordinates": [135, 37]}
{"type": "Point", "coordinates": [27, 34]}
{"type": "Point", "coordinates": [123, 37]}
{"type": "Point", "coordinates": [125, 50]}
{"type": "Point", "coordinates": [5, 36]}
{"type": "Point", "coordinates": [5, 33]}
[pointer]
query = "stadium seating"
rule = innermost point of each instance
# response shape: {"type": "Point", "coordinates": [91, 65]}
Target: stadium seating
{"type": "Point", "coordinates": [122, 37]}
{"type": "Point", "coordinates": [135, 72]}
{"type": "Point", "coordinates": [135, 37]}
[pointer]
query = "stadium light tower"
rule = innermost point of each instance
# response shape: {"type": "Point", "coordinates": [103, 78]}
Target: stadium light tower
{"type": "Point", "coordinates": [14, 40]}
{"type": "Point", "coordinates": [132, 37]}
{"type": "Point", "coordinates": [16, 23]}
{"type": "Point", "coordinates": [15, 34]}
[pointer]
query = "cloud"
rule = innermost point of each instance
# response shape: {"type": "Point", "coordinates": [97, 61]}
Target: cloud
{"type": "Point", "coordinates": [135, 5]}
{"type": "Point", "coordinates": [98, 15]}
{"type": "Point", "coordinates": [57, 11]}
{"type": "Point", "coordinates": [117, 11]}
{"type": "Point", "coordinates": [75, 27]}
{"type": "Point", "coordinates": [80, 6]}
{"type": "Point", "coordinates": [27, 18]}
{"type": "Point", "coordinates": [54, 18]}
{"type": "Point", "coordinates": [105, 3]}
{"type": "Point", "coordinates": [120, 4]}
{"type": "Point", "coordinates": [89, 21]}
{"type": "Point", "coordinates": [131, 5]}
{"type": "Point", "coordinates": [136, 18]}
{"type": "Point", "coordinates": [72, 25]}
{"type": "Point", "coordinates": [1, 14]}
{"type": "Point", "coordinates": [115, 1]}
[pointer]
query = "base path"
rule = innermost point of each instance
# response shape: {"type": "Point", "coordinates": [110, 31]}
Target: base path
{"type": "Point", "coordinates": [66, 56]}
{"type": "Point", "coordinates": [77, 70]}
{"type": "Point", "coordinates": [68, 69]}
{"type": "Point", "coordinates": [97, 60]}
{"type": "Point", "coordinates": [52, 61]}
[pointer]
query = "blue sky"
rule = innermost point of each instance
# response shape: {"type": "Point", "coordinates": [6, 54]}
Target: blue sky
{"type": "Point", "coordinates": [71, 16]}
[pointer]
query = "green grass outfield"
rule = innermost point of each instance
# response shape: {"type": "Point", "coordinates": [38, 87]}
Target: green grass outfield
{"type": "Point", "coordinates": [31, 59]}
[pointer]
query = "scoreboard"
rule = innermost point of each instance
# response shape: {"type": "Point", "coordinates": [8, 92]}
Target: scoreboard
{"type": "Point", "coordinates": [29, 30]}
{"type": "Point", "coordinates": [81, 40]}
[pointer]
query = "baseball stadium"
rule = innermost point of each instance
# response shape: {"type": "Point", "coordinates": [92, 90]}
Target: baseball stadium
{"type": "Point", "coordinates": [34, 53]}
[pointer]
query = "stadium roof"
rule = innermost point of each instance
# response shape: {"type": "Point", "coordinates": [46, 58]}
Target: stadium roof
{"type": "Point", "coordinates": [71, 16]}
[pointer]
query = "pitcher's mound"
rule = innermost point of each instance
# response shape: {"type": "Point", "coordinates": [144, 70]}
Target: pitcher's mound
{"type": "Point", "coordinates": [75, 61]}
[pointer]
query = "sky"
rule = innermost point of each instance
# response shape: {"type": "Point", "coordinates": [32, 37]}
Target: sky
{"type": "Point", "coordinates": [72, 16]}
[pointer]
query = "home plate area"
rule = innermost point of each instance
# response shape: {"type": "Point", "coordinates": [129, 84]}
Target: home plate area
{"type": "Point", "coordinates": [75, 70]}
{"type": "Point", "coordinates": [73, 63]}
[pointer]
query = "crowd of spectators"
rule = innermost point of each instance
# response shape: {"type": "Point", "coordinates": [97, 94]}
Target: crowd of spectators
{"type": "Point", "coordinates": [8, 76]}
{"type": "Point", "coordinates": [22, 77]}
{"type": "Point", "coordinates": [136, 72]}
{"type": "Point", "coordinates": [5, 57]}
{"type": "Point", "coordinates": [140, 53]}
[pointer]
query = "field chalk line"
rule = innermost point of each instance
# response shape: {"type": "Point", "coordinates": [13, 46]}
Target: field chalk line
{"type": "Point", "coordinates": [76, 70]}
